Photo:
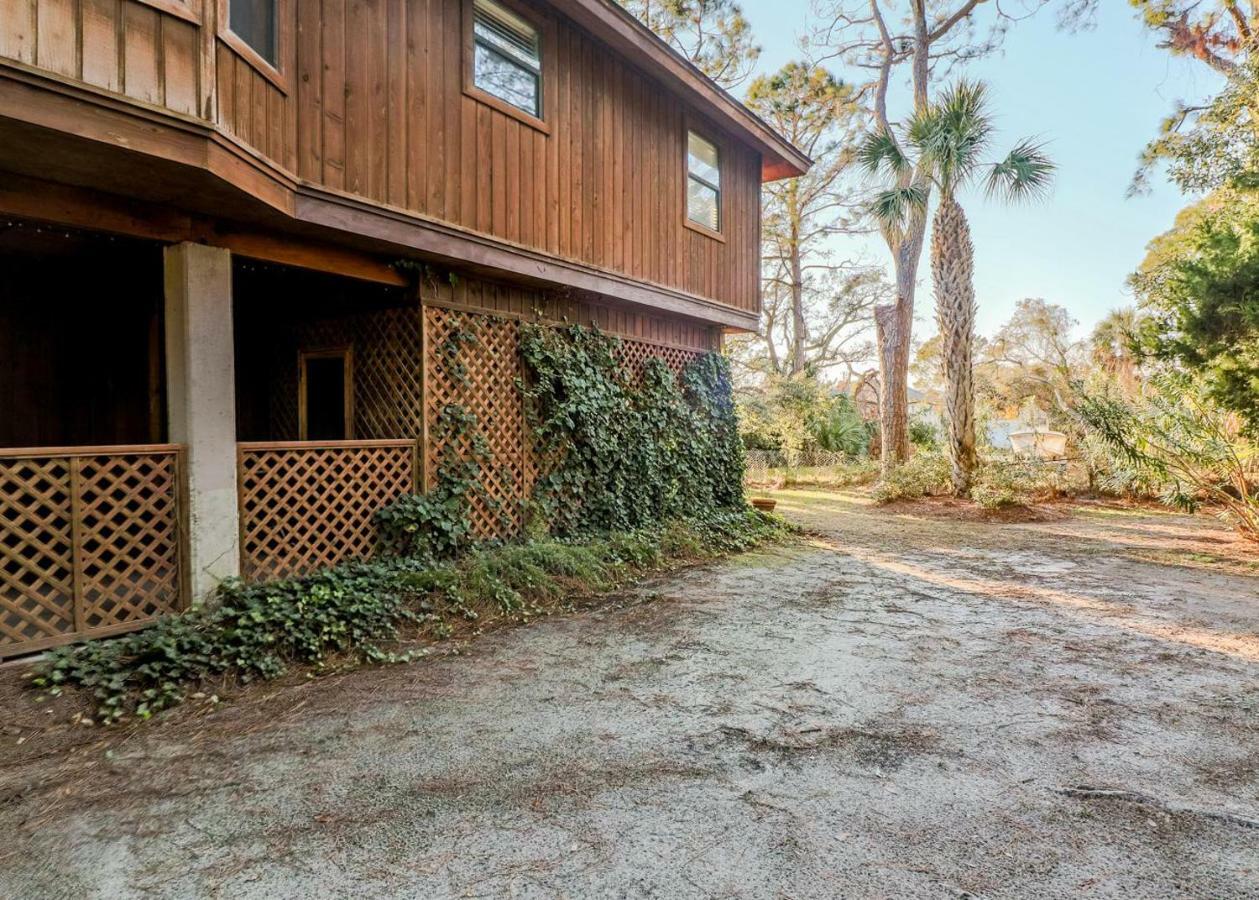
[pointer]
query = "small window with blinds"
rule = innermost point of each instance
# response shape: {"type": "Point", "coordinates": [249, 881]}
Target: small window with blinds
{"type": "Point", "coordinates": [703, 182]}
{"type": "Point", "coordinates": [507, 60]}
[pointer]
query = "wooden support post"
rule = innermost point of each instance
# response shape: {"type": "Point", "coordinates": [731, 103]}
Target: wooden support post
{"type": "Point", "coordinates": [201, 406]}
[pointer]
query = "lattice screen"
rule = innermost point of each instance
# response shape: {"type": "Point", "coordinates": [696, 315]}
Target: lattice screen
{"type": "Point", "coordinates": [90, 544]}
{"type": "Point", "coordinates": [634, 355]}
{"type": "Point", "coordinates": [480, 375]}
{"type": "Point", "coordinates": [388, 402]}
{"type": "Point", "coordinates": [306, 507]}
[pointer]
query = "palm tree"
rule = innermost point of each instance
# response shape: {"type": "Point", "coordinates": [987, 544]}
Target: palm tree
{"type": "Point", "coordinates": [1112, 347]}
{"type": "Point", "coordinates": [948, 142]}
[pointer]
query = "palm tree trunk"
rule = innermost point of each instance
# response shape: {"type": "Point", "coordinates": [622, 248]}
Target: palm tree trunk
{"type": "Point", "coordinates": [953, 271]}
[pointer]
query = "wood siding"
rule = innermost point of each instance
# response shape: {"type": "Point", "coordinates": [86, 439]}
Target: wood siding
{"type": "Point", "coordinates": [122, 46]}
{"type": "Point", "coordinates": [495, 298]}
{"type": "Point", "coordinates": [370, 104]}
{"type": "Point", "coordinates": [606, 187]}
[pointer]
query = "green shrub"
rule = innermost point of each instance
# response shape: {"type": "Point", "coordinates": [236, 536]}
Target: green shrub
{"type": "Point", "coordinates": [924, 435]}
{"type": "Point", "coordinates": [998, 482]}
{"type": "Point", "coordinates": [428, 526]}
{"type": "Point", "coordinates": [923, 474]}
{"type": "Point", "coordinates": [1016, 483]}
{"type": "Point", "coordinates": [352, 611]}
{"type": "Point", "coordinates": [1177, 436]}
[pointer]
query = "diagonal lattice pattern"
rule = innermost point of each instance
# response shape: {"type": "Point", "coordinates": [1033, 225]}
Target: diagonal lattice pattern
{"type": "Point", "coordinates": [481, 373]}
{"type": "Point", "coordinates": [90, 544]}
{"type": "Point", "coordinates": [385, 343]}
{"type": "Point", "coordinates": [305, 507]}
{"type": "Point", "coordinates": [634, 355]}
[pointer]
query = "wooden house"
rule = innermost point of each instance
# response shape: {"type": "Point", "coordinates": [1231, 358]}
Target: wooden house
{"type": "Point", "coordinates": [210, 362]}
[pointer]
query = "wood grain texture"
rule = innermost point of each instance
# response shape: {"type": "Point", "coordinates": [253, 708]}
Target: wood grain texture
{"type": "Point", "coordinates": [371, 100]}
{"type": "Point", "coordinates": [147, 50]}
{"type": "Point", "coordinates": [381, 112]}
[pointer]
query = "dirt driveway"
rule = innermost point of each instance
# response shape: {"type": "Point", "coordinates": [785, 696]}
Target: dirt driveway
{"type": "Point", "coordinates": [902, 706]}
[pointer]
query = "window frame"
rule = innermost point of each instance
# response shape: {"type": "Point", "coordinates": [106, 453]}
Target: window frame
{"type": "Point", "coordinates": [345, 353]}
{"type": "Point", "coordinates": [703, 132]}
{"type": "Point", "coordinates": [273, 72]}
{"type": "Point", "coordinates": [546, 53]}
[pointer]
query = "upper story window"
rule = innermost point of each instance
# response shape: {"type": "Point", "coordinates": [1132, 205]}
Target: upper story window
{"type": "Point", "coordinates": [256, 23]}
{"type": "Point", "coordinates": [508, 57]}
{"type": "Point", "coordinates": [703, 182]}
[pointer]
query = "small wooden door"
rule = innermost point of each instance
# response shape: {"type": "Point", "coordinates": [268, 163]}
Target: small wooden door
{"type": "Point", "coordinates": [326, 395]}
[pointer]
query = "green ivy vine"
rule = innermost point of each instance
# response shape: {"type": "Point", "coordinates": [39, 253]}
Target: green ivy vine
{"type": "Point", "coordinates": [619, 455]}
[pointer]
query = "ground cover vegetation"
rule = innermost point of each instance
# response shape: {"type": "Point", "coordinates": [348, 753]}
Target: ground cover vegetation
{"type": "Point", "coordinates": [636, 474]}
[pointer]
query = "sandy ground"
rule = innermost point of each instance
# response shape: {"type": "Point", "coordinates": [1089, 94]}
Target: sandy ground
{"type": "Point", "coordinates": [902, 705]}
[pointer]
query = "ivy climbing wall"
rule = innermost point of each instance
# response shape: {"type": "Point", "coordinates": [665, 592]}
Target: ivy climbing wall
{"type": "Point", "coordinates": [472, 376]}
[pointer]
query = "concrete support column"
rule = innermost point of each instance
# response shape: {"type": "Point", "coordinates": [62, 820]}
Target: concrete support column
{"type": "Point", "coordinates": [201, 405]}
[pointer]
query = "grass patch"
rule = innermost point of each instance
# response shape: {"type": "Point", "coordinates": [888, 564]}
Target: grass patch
{"type": "Point", "coordinates": [369, 611]}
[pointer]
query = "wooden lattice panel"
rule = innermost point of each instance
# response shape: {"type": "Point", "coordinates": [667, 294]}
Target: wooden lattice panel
{"type": "Point", "coordinates": [385, 345]}
{"type": "Point", "coordinates": [634, 355]}
{"type": "Point", "coordinates": [480, 374]}
{"type": "Point", "coordinates": [307, 506]}
{"type": "Point", "coordinates": [90, 543]}
{"type": "Point", "coordinates": [388, 389]}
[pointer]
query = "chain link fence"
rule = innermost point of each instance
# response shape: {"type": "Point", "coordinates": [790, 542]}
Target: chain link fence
{"type": "Point", "coordinates": [766, 466]}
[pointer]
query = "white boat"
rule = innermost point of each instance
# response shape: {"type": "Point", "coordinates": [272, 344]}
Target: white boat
{"type": "Point", "coordinates": [1039, 444]}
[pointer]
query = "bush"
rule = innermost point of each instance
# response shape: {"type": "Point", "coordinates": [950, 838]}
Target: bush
{"type": "Point", "coordinates": [924, 435]}
{"type": "Point", "coordinates": [354, 610]}
{"type": "Point", "coordinates": [923, 474]}
{"type": "Point", "coordinates": [1001, 484]}
{"type": "Point", "coordinates": [1177, 435]}
{"type": "Point", "coordinates": [998, 483]}
{"type": "Point", "coordinates": [813, 469]}
{"type": "Point", "coordinates": [428, 526]}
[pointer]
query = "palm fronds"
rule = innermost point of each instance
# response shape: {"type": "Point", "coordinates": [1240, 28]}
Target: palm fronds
{"type": "Point", "coordinates": [880, 154]}
{"type": "Point", "coordinates": [953, 133]}
{"type": "Point", "coordinates": [1025, 174]}
{"type": "Point", "coordinates": [896, 206]}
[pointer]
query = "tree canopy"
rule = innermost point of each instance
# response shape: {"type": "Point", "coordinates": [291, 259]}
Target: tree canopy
{"type": "Point", "coordinates": [1199, 290]}
{"type": "Point", "coordinates": [712, 34]}
{"type": "Point", "coordinates": [816, 304]}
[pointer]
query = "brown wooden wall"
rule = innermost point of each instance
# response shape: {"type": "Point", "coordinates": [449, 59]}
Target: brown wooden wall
{"type": "Point", "coordinates": [605, 187]}
{"type": "Point", "coordinates": [370, 102]}
{"type": "Point", "coordinates": [122, 46]}
{"type": "Point", "coordinates": [516, 301]}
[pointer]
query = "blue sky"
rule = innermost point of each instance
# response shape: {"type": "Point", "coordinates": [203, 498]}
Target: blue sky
{"type": "Point", "coordinates": [1096, 98]}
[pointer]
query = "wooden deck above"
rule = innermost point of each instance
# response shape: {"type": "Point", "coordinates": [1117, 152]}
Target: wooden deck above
{"type": "Point", "coordinates": [364, 137]}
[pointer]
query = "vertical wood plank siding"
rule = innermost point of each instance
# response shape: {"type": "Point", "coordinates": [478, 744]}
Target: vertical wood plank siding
{"type": "Point", "coordinates": [370, 102]}
{"type": "Point", "coordinates": [605, 187]}
{"type": "Point", "coordinates": [123, 46]}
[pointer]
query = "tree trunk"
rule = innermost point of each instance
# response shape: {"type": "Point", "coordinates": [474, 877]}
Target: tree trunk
{"type": "Point", "coordinates": [799, 329]}
{"type": "Point", "coordinates": [953, 271]}
{"type": "Point", "coordinates": [893, 342]}
{"type": "Point", "coordinates": [894, 324]}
